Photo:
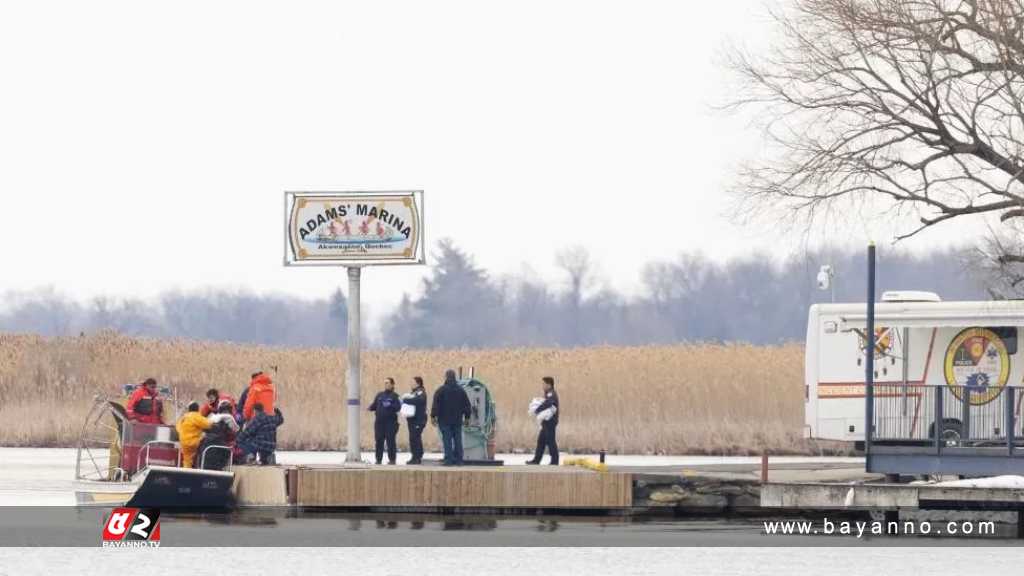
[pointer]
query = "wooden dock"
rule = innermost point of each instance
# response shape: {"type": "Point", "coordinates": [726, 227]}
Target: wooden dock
{"type": "Point", "coordinates": [708, 489]}
{"type": "Point", "coordinates": [434, 487]}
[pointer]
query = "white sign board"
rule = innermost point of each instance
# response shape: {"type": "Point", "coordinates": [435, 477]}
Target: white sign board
{"type": "Point", "coordinates": [354, 228]}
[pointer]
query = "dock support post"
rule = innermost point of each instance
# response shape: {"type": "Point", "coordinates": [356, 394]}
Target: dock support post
{"type": "Point", "coordinates": [965, 414]}
{"type": "Point", "coordinates": [292, 486]}
{"type": "Point", "coordinates": [1009, 424]}
{"type": "Point", "coordinates": [764, 467]}
{"type": "Point", "coordinates": [892, 516]}
{"type": "Point", "coordinates": [354, 453]}
{"type": "Point", "coordinates": [1020, 523]}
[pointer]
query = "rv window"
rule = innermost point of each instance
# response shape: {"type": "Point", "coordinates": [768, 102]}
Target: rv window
{"type": "Point", "coordinates": [1009, 337]}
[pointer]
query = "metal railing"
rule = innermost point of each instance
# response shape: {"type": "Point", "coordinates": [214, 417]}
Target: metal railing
{"type": "Point", "coordinates": [940, 416]}
{"type": "Point", "coordinates": [145, 452]}
{"type": "Point", "coordinates": [202, 457]}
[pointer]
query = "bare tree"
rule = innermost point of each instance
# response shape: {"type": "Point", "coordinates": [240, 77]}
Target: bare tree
{"type": "Point", "coordinates": [578, 266]}
{"type": "Point", "coordinates": [575, 261]}
{"type": "Point", "coordinates": [998, 261]}
{"type": "Point", "coordinates": [909, 107]}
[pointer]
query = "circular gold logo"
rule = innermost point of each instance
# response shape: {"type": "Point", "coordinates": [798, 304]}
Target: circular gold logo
{"type": "Point", "coordinates": [977, 363]}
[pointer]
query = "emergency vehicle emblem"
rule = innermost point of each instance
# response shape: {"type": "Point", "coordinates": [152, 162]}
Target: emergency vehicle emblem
{"type": "Point", "coordinates": [883, 342]}
{"type": "Point", "coordinates": [978, 364]}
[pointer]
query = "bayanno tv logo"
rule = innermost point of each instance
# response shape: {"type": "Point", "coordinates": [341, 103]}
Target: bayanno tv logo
{"type": "Point", "coordinates": [132, 528]}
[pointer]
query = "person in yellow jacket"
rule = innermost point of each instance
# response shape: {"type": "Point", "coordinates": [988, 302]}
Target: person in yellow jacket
{"type": "Point", "coordinates": [190, 432]}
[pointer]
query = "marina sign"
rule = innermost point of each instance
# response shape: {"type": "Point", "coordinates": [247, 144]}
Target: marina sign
{"type": "Point", "coordinates": [354, 228]}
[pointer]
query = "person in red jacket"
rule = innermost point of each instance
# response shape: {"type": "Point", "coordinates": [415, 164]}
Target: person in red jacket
{"type": "Point", "coordinates": [261, 391]}
{"type": "Point", "coordinates": [145, 405]}
{"type": "Point", "coordinates": [214, 398]}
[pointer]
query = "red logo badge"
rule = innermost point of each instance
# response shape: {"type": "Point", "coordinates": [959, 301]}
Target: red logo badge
{"type": "Point", "coordinates": [132, 528]}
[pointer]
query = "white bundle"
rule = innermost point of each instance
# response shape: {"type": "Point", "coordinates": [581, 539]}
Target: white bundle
{"type": "Point", "coordinates": [215, 418]}
{"type": "Point", "coordinates": [534, 404]}
{"type": "Point", "coordinates": [408, 410]}
{"type": "Point", "coordinates": [546, 414]}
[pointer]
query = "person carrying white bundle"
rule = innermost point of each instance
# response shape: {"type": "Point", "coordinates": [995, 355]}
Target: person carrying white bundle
{"type": "Point", "coordinates": [543, 415]}
{"type": "Point", "coordinates": [414, 409]}
{"type": "Point", "coordinates": [546, 412]}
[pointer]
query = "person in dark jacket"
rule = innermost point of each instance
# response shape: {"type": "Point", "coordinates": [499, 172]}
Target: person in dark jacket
{"type": "Point", "coordinates": [546, 436]}
{"type": "Point", "coordinates": [259, 437]}
{"type": "Point", "coordinates": [417, 397]}
{"type": "Point", "coordinates": [385, 407]}
{"type": "Point", "coordinates": [450, 408]}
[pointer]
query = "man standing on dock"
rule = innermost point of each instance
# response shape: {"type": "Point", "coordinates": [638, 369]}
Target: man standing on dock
{"type": "Point", "coordinates": [385, 407]}
{"type": "Point", "coordinates": [449, 409]}
{"type": "Point", "coordinates": [546, 436]}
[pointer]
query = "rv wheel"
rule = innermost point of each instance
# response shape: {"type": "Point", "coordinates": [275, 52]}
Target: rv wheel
{"type": "Point", "coordinates": [952, 432]}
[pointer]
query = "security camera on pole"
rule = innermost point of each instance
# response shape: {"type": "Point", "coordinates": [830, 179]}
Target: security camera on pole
{"type": "Point", "coordinates": [825, 280]}
{"type": "Point", "coordinates": [354, 230]}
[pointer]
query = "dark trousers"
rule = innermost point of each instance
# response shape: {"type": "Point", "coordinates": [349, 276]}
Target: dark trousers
{"type": "Point", "coordinates": [416, 441]}
{"type": "Point", "coordinates": [266, 455]}
{"type": "Point", "coordinates": [451, 438]}
{"type": "Point", "coordinates": [384, 433]}
{"type": "Point", "coordinates": [546, 439]}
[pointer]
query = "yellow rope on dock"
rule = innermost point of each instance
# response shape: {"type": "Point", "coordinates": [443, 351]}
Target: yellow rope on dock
{"type": "Point", "coordinates": [586, 463]}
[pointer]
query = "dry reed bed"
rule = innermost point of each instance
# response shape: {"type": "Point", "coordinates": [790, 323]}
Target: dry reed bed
{"type": "Point", "coordinates": [697, 399]}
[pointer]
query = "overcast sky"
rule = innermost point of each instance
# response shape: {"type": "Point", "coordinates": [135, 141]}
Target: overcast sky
{"type": "Point", "coordinates": [146, 146]}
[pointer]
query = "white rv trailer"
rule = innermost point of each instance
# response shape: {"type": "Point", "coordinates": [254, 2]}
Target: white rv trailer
{"type": "Point", "coordinates": [920, 341]}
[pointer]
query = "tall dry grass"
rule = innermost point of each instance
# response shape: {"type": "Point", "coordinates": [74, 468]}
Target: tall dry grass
{"type": "Point", "coordinates": [712, 399]}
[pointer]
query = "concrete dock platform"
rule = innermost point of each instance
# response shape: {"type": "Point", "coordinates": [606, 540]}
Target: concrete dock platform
{"type": "Point", "coordinates": [821, 496]}
{"type": "Point", "coordinates": [705, 488]}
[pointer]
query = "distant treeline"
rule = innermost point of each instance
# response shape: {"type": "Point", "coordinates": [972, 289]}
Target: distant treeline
{"type": "Point", "coordinates": [459, 304]}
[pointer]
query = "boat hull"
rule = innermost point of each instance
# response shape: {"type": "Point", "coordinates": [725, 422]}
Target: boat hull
{"type": "Point", "coordinates": [162, 487]}
{"type": "Point", "coordinates": [91, 493]}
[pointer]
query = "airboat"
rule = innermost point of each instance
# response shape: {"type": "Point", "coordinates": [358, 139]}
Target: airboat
{"type": "Point", "coordinates": [130, 463]}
